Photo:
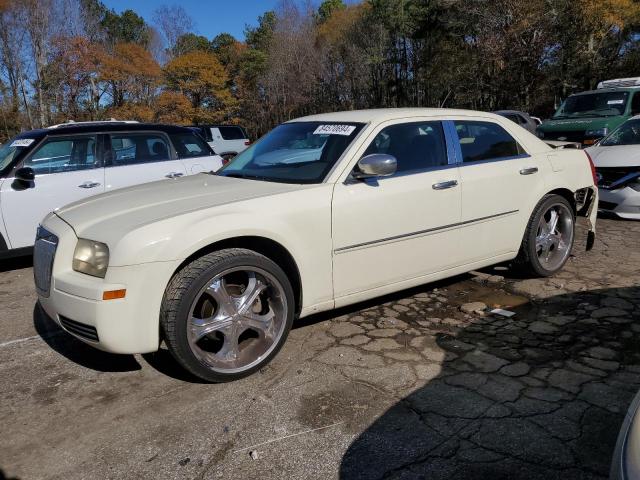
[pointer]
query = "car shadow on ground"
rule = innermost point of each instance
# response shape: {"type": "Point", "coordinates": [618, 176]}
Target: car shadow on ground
{"type": "Point", "coordinates": [79, 352]}
{"type": "Point", "coordinates": [540, 395]}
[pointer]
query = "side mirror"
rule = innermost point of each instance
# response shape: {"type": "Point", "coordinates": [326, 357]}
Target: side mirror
{"type": "Point", "coordinates": [23, 178]}
{"type": "Point", "coordinates": [376, 165]}
{"type": "Point", "coordinates": [25, 174]}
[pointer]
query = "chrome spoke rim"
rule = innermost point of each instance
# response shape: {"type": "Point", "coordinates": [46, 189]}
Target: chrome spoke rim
{"type": "Point", "coordinates": [554, 236]}
{"type": "Point", "coordinates": [237, 319]}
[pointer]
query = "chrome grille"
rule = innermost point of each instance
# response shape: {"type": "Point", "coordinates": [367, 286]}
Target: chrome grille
{"type": "Point", "coordinates": [44, 251]}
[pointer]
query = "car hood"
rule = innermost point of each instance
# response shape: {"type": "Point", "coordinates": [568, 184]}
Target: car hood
{"type": "Point", "coordinates": [105, 216]}
{"type": "Point", "coordinates": [615, 156]}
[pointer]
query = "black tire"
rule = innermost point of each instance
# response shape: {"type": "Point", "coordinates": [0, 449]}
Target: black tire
{"type": "Point", "coordinates": [527, 259]}
{"type": "Point", "coordinates": [181, 293]}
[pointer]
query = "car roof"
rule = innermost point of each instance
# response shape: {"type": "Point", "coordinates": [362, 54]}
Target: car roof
{"type": "Point", "coordinates": [383, 114]}
{"type": "Point", "coordinates": [100, 127]}
{"type": "Point", "coordinates": [607, 90]}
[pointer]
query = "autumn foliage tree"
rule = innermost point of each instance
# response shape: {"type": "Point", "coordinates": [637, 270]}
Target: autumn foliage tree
{"type": "Point", "coordinates": [200, 77]}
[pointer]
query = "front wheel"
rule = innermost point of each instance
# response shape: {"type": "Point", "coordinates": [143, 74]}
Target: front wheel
{"type": "Point", "coordinates": [227, 314]}
{"type": "Point", "coordinates": [549, 236]}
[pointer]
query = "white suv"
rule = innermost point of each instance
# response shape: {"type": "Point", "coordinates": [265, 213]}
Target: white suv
{"type": "Point", "coordinates": [219, 266]}
{"type": "Point", "coordinates": [226, 140]}
{"type": "Point", "coordinates": [42, 170]}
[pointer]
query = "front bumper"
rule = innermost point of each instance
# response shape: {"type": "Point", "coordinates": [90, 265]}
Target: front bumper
{"type": "Point", "coordinates": [128, 325]}
{"type": "Point", "coordinates": [624, 202]}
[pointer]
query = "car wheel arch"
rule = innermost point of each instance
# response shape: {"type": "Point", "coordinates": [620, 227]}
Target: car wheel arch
{"type": "Point", "coordinates": [567, 195]}
{"type": "Point", "coordinates": [268, 247]}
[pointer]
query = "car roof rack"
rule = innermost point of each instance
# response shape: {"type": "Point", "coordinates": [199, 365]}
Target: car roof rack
{"type": "Point", "coordinates": [72, 123]}
{"type": "Point", "coordinates": [620, 82]}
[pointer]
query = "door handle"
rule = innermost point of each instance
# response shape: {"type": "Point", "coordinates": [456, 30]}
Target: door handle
{"type": "Point", "coordinates": [445, 185]}
{"type": "Point", "coordinates": [529, 171]}
{"type": "Point", "coordinates": [174, 175]}
{"type": "Point", "coordinates": [89, 185]}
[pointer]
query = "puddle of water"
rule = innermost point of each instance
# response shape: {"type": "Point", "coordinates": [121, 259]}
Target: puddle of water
{"type": "Point", "coordinates": [490, 294]}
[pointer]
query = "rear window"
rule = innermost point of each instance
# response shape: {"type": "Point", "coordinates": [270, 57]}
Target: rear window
{"type": "Point", "coordinates": [232, 133]}
{"type": "Point", "coordinates": [485, 141]}
{"type": "Point", "coordinates": [189, 145]}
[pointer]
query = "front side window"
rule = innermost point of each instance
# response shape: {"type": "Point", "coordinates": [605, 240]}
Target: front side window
{"type": "Point", "coordinates": [416, 146]}
{"type": "Point", "coordinates": [635, 103]}
{"type": "Point", "coordinates": [63, 155]}
{"type": "Point", "coordinates": [598, 104]}
{"type": "Point", "coordinates": [627, 134]}
{"type": "Point", "coordinates": [189, 145]}
{"type": "Point", "coordinates": [297, 152]}
{"type": "Point", "coordinates": [485, 141]}
{"type": "Point", "coordinates": [132, 148]}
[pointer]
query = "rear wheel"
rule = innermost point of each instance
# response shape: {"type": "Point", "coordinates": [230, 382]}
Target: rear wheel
{"type": "Point", "coordinates": [227, 314]}
{"type": "Point", "coordinates": [549, 237]}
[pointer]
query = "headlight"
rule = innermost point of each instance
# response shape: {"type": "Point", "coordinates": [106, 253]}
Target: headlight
{"type": "Point", "coordinates": [598, 132]}
{"type": "Point", "coordinates": [91, 257]}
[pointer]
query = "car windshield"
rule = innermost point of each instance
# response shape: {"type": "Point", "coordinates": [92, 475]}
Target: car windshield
{"type": "Point", "coordinates": [11, 149]}
{"type": "Point", "coordinates": [599, 104]}
{"type": "Point", "coordinates": [626, 134]}
{"type": "Point", "coordinates": [298, 152]}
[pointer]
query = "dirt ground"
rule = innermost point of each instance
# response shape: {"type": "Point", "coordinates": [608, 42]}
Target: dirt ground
{"type": "Point", "coordinates": [406, 386]}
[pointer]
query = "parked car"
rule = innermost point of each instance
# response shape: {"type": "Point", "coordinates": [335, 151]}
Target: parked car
{"type": "Point", "coordinates": [519, 118]}
{"type": "Point", "coordinates": [226, 140]}
{"type": "Point", "coordinates": [41, 170]}
{"type": "Point", "coordinates": [617, 161]}
{"type": "Point", "coordinates": [625, 464]}
{"type": "Point", "coordinates": [219, 266]}
{"type": "Point", "coordinates": [588, 116]}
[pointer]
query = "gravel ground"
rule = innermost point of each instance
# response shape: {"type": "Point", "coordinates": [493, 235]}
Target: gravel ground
{"type": "Point", "coordinates": [414, 385]}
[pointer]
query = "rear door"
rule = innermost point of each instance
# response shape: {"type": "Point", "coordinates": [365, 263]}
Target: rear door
{"type": "Point", "coordinates": [195, 154]}
{"type": "Point", "coordinates": [67, 169]}
{"type": "Point", "coordinates": [132, 158]}
{"type": "Point", "coordinates": [500, 185]}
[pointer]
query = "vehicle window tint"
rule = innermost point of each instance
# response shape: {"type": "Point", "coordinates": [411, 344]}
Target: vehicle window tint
{"type": "Point", "coordinates": [129, 148]}
{"type": "Point", "coordinates": [416, 146]}
{"type": "Point", "coordinates": [485, 141]}
{"type": "Point", "coordinates": [189, 145]}
{"type": "Point", "coordinates": [231, 133]}
{"type": "Point", "coordinates": [635, 104]}
{"type": "Point", "coordinates": [513, 118]}
{"type": "Point", "coordinates": [63, 155]}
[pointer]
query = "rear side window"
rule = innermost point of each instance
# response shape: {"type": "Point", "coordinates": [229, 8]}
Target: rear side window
{"type": "Point", "coordinates": [232, 133]}
{"type": "Point", "coordinates": [132, 148]}
{"type": "Point", "coordinates": [635, 103]}
{"type": "Point", "coordinates": [63, 155]}
{"type": "Point", "coordinates": [189, 145]}
{"type": "Point", "coordinates": [416, 146]}
{"type": "Point", "coordinates": [485, 141]}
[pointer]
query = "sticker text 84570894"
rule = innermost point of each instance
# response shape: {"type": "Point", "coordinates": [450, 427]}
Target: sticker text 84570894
{"type": "Point", "coordinates": [334, 130]}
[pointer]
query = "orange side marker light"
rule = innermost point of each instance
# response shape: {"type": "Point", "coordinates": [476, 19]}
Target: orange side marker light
{"type": "Point", "coordinates": [114, 294]}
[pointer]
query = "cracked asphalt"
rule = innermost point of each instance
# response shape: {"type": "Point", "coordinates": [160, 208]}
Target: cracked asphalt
{"type": "Point", "coordinates": [405, 386]}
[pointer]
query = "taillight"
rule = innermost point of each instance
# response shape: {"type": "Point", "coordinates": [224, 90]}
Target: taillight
{"type": "Point", "coordinates": [593, 168]}
{"type": "Point", "coordinates": [225, 161]}
{"type": "Point", "coordinates": [247, 142]}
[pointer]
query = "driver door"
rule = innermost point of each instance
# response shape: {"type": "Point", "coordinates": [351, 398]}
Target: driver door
{"type": "Point", "coordinates": [66, 170]}
{"type": "Point", "coordinates": [396, 229]}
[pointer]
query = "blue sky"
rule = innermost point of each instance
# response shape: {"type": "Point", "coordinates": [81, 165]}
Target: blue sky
{"type": "Point", "coordinates": [210, 16]}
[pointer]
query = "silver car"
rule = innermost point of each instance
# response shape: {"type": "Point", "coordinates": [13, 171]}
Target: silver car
{"type": "Point", "coordinates": [521, 118]}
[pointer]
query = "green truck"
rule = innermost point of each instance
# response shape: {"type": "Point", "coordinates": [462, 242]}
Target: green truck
{"type": "Point", "coordinates": [586, 117]}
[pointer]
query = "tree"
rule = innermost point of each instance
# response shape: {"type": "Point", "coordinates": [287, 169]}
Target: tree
{"type": "Point", "coordinates": [328, 7]}
{"type": "Point", "coordinates": [190, 42]}
{"type": "Point", "coordinates": [173, 22]}
{"type": "Point", "coordinates": [128, 27]}
{"type": "Point", "coordinates": [174, 107]}
{"type": "Point", "coordinates": [201, 77]}
{"type": "Point", "coordinates": [131, 73]}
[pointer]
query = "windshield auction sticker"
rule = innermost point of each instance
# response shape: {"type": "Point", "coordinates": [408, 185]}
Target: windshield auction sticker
{"type": "Point", "coordinates": [615, 102]}
{"type": "Point", "coordinates": [22, 142]}
{"type": "Point", "coordinates": [334, 130]}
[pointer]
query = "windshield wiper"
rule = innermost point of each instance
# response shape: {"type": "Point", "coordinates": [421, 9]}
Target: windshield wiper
{"type": "Point", "coordinates": [247, 177]}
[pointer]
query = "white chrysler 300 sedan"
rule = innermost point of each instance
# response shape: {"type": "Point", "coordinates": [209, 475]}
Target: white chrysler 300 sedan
{"type": "Point", "coordinates": [219, 265]}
